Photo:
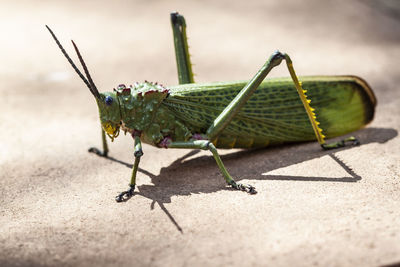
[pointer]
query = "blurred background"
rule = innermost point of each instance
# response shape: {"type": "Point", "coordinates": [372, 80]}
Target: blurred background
{"type": "Point", "coordinates": [48, 118]}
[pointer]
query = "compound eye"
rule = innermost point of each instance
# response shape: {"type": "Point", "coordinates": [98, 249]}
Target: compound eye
{"type": "Point", "coordinates": [108, 100]}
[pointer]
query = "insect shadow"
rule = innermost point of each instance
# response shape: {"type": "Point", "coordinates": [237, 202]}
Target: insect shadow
{"type": "Point", "coordinates": [246, 164]}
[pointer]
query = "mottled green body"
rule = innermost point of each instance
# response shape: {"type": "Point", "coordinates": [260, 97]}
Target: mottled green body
{"type": "Point", "coordinates": [273, 115]}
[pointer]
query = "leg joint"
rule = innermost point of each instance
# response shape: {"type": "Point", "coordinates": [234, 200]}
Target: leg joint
{"type": "Point", "coordinates": [210, 146]}
{"type": "Point", "coordinates": [177, 19]}
{"type": "Point", "coordinates": [276, 58]}
{"type": "Point", "coordinates": [138, 153]}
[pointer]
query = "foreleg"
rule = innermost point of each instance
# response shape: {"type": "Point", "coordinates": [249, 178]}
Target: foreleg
{"type": "Point", "coordinates": [105, 146]}
{"type": "Point", "coordinates": [138, 154]}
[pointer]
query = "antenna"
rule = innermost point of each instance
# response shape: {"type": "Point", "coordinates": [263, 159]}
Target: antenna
{"type": "Point", "coordinates": [92, 87]}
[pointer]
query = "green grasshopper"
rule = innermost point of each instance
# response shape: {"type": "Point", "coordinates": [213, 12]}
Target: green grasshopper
{"type": "Point", "coordinates": [245, 114]}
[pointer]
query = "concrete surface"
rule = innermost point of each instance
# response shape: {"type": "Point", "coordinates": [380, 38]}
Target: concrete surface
{"type": "Point", "coordinates": [57, 205]}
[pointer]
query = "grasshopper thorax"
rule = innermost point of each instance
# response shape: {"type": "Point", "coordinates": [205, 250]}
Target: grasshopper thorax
{"type": "Point", "coordinates": [140, 105]}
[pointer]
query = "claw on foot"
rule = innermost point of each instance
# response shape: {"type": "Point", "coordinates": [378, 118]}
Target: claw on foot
{"type": "Point", "coordinates": [244, 187]}
{"type": "Point", "coordinates": [97, 152]}
{"type": "Point", "coordinates": [342, 143]}
{"type": "Point", "coordinates": [124, 196]}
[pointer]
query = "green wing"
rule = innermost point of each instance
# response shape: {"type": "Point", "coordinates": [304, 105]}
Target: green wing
{"type": "Point", "coordinates": [274, 114]}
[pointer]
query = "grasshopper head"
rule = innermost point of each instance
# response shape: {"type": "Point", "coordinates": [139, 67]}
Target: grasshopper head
{"type": "Point", "coordinates": [110, 114]}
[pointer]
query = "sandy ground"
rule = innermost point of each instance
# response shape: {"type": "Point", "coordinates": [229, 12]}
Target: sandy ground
{"type": "Point", "coordinates": [57, 205]}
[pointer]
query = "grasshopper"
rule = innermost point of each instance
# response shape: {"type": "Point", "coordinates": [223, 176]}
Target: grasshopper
{"type": "Point", "coordinates": [245, 114]}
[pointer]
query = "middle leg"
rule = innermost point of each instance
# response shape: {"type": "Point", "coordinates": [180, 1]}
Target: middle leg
{"type": "Point", "coordinates": [207, 145]}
